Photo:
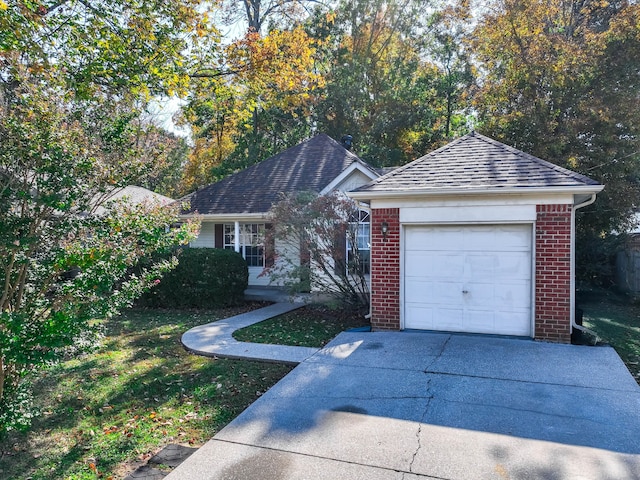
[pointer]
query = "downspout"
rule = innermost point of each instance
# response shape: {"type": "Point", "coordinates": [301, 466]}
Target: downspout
{"type": "Point", "coordinates": [573, 269]}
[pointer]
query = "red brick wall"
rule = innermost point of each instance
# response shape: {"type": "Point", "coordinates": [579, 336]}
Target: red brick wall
{"type": "Point", "coordinates": [553, 273]}
{"type": "Point", "coordinates": [385, 270]}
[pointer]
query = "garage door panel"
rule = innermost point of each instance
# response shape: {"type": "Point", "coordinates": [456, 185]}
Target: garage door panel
{"type": "Point", "coordinates": [449, 266]}
{"type": "Point", "coordinates": [435, 239]}
{"type": "Point", "coordinates": [433, 294]}
{"type": "Point", "coordinates": [420, 266]}
{"type": "Point", "coordinates": [515, 237]}
{"type": "Point", "coordinates": [513, 266]}
{"type": "Point", "coordinates": [516, 322]}
{"type": "Point", "coordinates": [480, 265]}
{"type": "Point", "coordinates": [479, 321]}
{"type": "Point", "coordinates": [479, 295]}
{"type": "Point", "coordinates": [480, 239]}
{"type": "Point", "coordinates": [430, 265]}
{"type": "Point", "coordinates": [448, 319]}
{"type": "Point", "coordinates": [421, 289]}
{"type": "Point", "coordinates": [513, 295]}
{"type": "Point", "coordinates": [447, 293]}
{"type": "Point", "coordinates": [423, 316]}
{"type": "Point", "coordinates": [468, 278]}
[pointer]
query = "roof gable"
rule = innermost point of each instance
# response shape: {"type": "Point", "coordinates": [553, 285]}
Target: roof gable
{"type": "Point", "coordinates": [476, 163]}
{"type": "Point", "coordinates": [308, 166]}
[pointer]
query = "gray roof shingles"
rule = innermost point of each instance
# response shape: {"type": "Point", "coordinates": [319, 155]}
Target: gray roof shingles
{"type": "Point", "coordinates": [309, 166]}
{"type": "Point", "coordinates": [476, 162]}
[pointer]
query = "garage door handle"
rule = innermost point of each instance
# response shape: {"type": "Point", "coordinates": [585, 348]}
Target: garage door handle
{"type": "Point", "coordinates": [465, 291]}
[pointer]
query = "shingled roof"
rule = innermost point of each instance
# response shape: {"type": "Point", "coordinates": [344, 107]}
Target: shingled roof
{"type": "Point", "coordinates": [475, 162]}
{"type": "Point", "coordinates": [309, 166]}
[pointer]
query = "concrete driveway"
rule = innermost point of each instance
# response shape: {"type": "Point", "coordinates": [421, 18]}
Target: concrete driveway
{"type": "Point", "coordinates": [403, 405]}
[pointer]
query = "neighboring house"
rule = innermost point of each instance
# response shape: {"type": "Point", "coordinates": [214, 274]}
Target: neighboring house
{"type": "Point", "coordinates": [475, 237]}
{"type": "Point", "coordinates": [233, 211]}
{"type": "Point", "coordinates": [134, 196]}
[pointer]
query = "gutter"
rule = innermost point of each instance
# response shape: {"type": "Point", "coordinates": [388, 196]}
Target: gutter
{"type": "Point", "coordinates": [439, 192]}
{"type": "Point", "coordinates": [573, 269]}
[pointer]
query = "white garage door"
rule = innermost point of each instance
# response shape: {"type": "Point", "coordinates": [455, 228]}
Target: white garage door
{"type": "Point", "coordinates": [468, 278]}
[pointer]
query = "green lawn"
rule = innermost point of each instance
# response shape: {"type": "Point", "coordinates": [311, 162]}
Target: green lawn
{"type": "Point", "coordinates": [310, 326]}
{"type": "Point", "coordinates": [106, 412]}
{"type": "Point", "coordinates": [616, 320]}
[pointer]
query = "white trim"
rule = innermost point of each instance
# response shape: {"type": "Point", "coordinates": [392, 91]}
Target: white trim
{"type": "Point", "coordinates": [469, 214]}
{"type": "Point", "coordinates": [401, 301]}
{"type": "Point", "coordinates": [345, 174]}
{"type": "Point", "coordinates": [533, 278]}
{"type": "Point", "coordinates": [487, 201]}
{"type": "Point", "coordinates": [227, 217]}
{"type": "Point", "coordinates": [433, 192]}
{"type": "Point", "coordinates": [236, 236]}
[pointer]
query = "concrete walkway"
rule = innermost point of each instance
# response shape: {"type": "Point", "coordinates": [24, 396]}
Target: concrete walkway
{"type": "Point", "coordinates": [215, 339]}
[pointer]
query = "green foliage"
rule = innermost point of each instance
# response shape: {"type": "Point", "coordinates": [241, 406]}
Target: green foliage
{"type": "Point", "coordinates": [204, 278]}
{"type": "Point", "coordinates": [394, 78]}
{"type": "Point", "coordinates": [62, 264]}
{"type": "Point", "coordinates": [595, 258]}
{"type": "Point", "coordinates": [134, 47]}
{"type": "Point", "coordinates": [561, 83]}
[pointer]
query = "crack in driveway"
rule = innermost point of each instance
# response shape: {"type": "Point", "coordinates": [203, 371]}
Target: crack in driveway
{"type": "Point", "coordinates": [426, 407]}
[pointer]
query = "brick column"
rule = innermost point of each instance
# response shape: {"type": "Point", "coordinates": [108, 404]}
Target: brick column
{"type": "Point", "coordinates": [385, 270]}
{"type": "Point", "coordinates": [553, 273]}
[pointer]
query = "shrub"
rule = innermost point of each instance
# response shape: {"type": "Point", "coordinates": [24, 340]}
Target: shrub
{"type": "Point", "coordinates": [204, 278]}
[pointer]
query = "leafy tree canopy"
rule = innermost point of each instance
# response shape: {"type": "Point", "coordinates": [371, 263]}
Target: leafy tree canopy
{"type": "Point", "coordinates": [560, 81]}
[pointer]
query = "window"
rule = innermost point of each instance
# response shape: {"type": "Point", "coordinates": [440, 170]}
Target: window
{"type": "Point", "coordinates": [360, 232]}
{"type": "Point", "coordinates": [251, 242]}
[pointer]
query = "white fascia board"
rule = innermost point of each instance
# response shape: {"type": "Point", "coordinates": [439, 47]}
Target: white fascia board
{"type": "Point", "coordinates": [469, 214]}
{"type": "Point", "coordinates": [367, 196]}
{"type": "Point", "coordinates": [227, 217]}
{"type": "Point", "coordinates": [345, 174]}
{"type": "Point", "coordinates": [488, 201]}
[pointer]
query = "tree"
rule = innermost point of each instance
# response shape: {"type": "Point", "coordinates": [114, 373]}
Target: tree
{"type": "Point", "coordinates": [560, 82]}
{"type": "Point", "coordinates": [279, 14]}
{"type": "Point", "coordinates": [136, 47]}
{"type": "Point", "coordinates": [381, 85]}
{"type": "Point", "coordinates": [74, 79]}
{"type": "Point", "coordinates": [237, 117]}
{"type": "Point", "coordinates": [315, 242]}
{"type": "Point", "coordinates": [163, 155]}
{"type": "Point", "coordinates": [456, 72]}
{"type": "Point", "coordinates": [214, 112]}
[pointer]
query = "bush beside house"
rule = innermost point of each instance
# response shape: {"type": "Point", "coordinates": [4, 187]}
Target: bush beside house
{"type": "Point", "coordinates": [204, 278]}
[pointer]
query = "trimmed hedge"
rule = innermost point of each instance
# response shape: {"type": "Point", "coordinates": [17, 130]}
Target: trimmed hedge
{"type": "Point", "coordinates": [204, 278]}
